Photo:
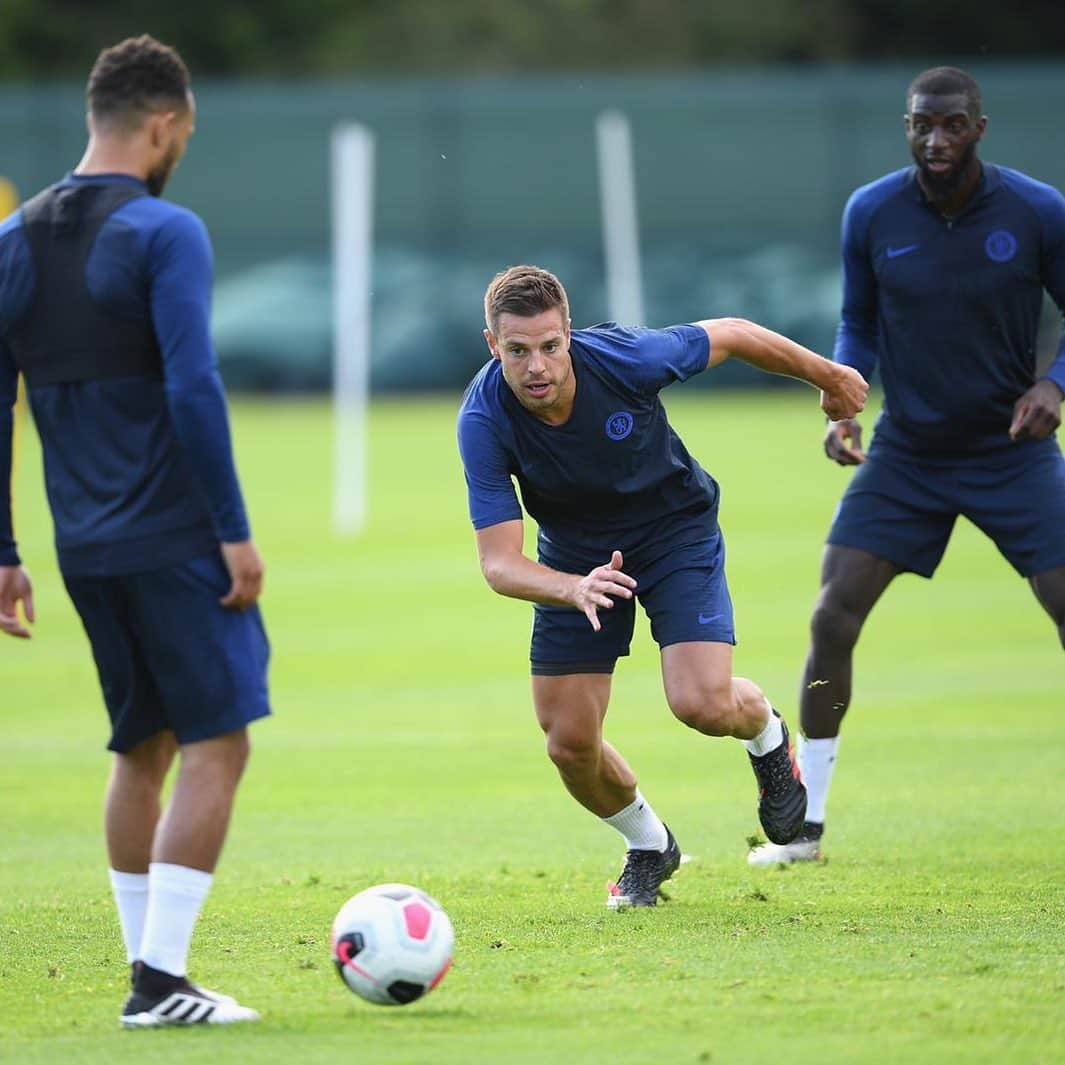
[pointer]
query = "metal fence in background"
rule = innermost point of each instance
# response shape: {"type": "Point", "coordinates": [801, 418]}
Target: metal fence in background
{"type": "Point", "coordinates": [740, 174]}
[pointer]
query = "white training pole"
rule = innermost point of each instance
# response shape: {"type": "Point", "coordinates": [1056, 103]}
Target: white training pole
{"type": "Point", "coordinates": [353, 154]}
{"type": "Point", "coordinates": [621, 235]}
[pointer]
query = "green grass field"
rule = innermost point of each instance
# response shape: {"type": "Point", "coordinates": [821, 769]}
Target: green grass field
{"type": "Point", "coordinates": [403, 747]}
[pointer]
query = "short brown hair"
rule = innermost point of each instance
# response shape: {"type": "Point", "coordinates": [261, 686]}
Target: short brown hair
{"type": "Point", "coordinates": [525, 291]}
{"type": "Point", "coordinates": [134, 77]}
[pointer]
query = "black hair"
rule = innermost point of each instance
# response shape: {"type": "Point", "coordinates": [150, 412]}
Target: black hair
{"type": "Point", "coordinates": [946, 81]}
{"type": "Point", "coordinates": [134, 77]}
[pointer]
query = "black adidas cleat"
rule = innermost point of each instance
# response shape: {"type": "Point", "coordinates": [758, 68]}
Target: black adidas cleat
{"type": "Point", "coordinates": [640, 883]}
{"type": "Point", "coordinates": [159, 1000]}
{"type": "Point", "coordinates": [781, 792]}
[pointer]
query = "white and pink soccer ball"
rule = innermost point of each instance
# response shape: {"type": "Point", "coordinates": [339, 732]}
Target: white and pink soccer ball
{"type": "Point", "coordinates": [392, 944]}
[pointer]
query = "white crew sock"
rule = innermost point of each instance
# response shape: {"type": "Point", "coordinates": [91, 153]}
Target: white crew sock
{"type": "Point", "coordinates": [817, 760]}
{"type": "Point", "coordinates": [769, 739]}
{"type": "Point", "coordinates": [175, 895]}
{"type": "Point", "coordinates": [131, 898]}
{"type": "Point", "coordinates": [640, 825]}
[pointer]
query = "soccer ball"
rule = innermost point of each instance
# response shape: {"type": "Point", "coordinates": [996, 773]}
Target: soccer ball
{"type": "Point", "coordinates": [392, 944]}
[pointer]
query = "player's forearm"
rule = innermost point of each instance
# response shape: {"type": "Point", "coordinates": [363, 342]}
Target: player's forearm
{"type": "Point", "coordinates": [8, 550]}
{"type": "Point", "coordinates": [856, 347]}
{"type": "Point", "coordinates": [517, 577]}
{"type": "Point", "coordinates": [199, 417]}
{"type": "Point", "coordinates": [774, 353]}
{"type": "Point", "coordinates": [1056, 372]}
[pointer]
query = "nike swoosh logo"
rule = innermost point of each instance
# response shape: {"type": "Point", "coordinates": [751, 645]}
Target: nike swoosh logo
{"type": "Point", "coordinates": [704, 620]}
{"type": "Point", "coordinates": [894, 253]}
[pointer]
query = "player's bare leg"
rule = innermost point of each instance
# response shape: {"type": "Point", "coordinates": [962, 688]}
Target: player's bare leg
{"type": "Point", "coordinates": [1049, 588]}
{"type": "Point", "coordinates": [188, 841]}
{"type": "Point", "coordinates": [571, 710]}
{"type": "Point", "coordinates": [131, 806]}
{"type": "Point", "coordinates": [131, 813]}
{"type": "Point", "coordinates": [193, 828]}
{"type": "Point", "coordinates": [703, 693]}
{"type": "Point", "coordinates": [851, 583]}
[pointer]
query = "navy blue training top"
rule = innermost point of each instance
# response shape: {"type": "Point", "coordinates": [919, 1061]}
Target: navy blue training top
{"type": "Point", "coordinates": [139, 472]}
{"type": "Point", "coordinates": [950, 307]}
{"type": "Point", "coordinates": [615, 475]}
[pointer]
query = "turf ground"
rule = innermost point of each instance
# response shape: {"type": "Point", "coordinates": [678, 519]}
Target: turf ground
{"type": "Point", "coordinates": [403, 748]}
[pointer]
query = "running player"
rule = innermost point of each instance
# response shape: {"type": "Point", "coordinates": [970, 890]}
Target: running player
{"type": "Point", "coordinates": [624, 513]}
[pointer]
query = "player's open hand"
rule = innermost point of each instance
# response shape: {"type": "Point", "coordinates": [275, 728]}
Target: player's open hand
{"type": "Point", "coordinates": [843, 442]}
{"type": "Point", "coordinates": [1037, 413]}
{"type": "Point", "coordinates": [846, 396]}
{"type": "Point", "coordinates": [15, 588]}
{"type": "Point", "coordinates": [594, 592]}
{"type": "Point", "coordinates": [246, 571]}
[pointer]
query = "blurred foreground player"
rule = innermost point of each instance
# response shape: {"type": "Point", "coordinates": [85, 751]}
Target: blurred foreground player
{"type": "Point", "coordinates": [944, 266]}
{"type": "Point", "coordinates": [104, 308]}
{"type": "Point", "coordinates": [624, 512]}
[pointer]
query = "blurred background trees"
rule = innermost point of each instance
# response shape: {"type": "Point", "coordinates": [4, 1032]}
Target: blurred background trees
{"type": "Point", "coordinates": [58, 38]}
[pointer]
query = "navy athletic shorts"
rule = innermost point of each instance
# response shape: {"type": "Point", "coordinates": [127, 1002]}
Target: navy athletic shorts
{"type": "Point", "coordinates": [684, 594]}
{"type": "Point", "coordinates": [169, 656]}
{"type": "Point", "coordinates": [902, 506]}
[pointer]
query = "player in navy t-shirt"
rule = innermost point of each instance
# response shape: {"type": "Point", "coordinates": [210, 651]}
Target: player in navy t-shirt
{"type": "Point", "coordinates": [104, 308]}
{"type": "Point", "coordinates": [624, 513]}
{"type": "Point", "coordinates": [944, 267]}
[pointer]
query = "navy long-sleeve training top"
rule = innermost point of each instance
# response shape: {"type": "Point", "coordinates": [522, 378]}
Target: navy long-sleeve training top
{"type": "Point", "coordinates": [950, 308]}
{"type": "Point", "coordinates": [139, 472]}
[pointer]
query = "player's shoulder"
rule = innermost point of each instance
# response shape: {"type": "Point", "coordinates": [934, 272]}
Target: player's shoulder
{"type": "Point", "coordinates": [14, 247]}
{"type": "Point", "coordinates": [11, 225]}
{"type": "Point", "coordinates": [1044, 199]}
{"type": "Point", "coordinates": [157, 216]}
{"type": "Point", "coordinates": [869, 198]}
{"type": "Point", "coordinates": [607, 338]}
{"type": "Point", "coordinates": [482, 397]}
{"type": "Point", "coordinates": [612, 347]}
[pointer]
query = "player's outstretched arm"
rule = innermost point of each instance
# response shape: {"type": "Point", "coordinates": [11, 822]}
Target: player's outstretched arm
{"type": "Point", "coordinates": [15, 588]}
{"type": "Point", "coordinates": [843, 390]}
{"type": "Point", "coordinates": [509, 572]}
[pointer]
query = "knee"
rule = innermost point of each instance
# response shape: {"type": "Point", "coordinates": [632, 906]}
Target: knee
{"type": "Point", "coordinates": [222, 756]}
{"type": "Point", "coordinates": [834, 623]}
{"type": "Point", "coordinates": [572, 752]}
{"type": "Point", "coordinates": [707, 708]}
{"type": "Point", "coordinates": [145, 767]}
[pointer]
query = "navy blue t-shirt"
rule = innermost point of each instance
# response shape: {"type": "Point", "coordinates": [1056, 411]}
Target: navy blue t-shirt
{"type": "Point", "coordinates": [615, 475]}
{"type": "Point", "coordinates": [950, 307]}
{"type": "Point", "coordinates": [139, 472]}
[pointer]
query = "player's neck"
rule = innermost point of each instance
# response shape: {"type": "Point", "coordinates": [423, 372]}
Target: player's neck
{"type": "Point", "coordinates": [110, 157]}
{"type": "Point", "coordinates": [954, 201]}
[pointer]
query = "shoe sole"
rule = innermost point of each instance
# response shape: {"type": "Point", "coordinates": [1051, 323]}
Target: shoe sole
{"type": "Point", "coordinates": [150, 1020]}
{"type": "Point", "coordinates": [817, 857]}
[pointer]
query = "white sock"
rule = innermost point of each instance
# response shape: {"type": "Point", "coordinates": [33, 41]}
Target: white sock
{"type": "Point", "coordinates": [131, 898]}
{"type": "Point", "coordinates": [640, 825]}
{"type": "Point", "coordinates": [769, 739]}
{"type": "Point", "coordinates": [175, 895]}
{"type": "Point", "coordinates": [817, 760]}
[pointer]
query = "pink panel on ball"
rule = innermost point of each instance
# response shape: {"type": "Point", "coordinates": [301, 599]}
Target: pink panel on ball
{"type": "Point", "coordinates": [418, 917]}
